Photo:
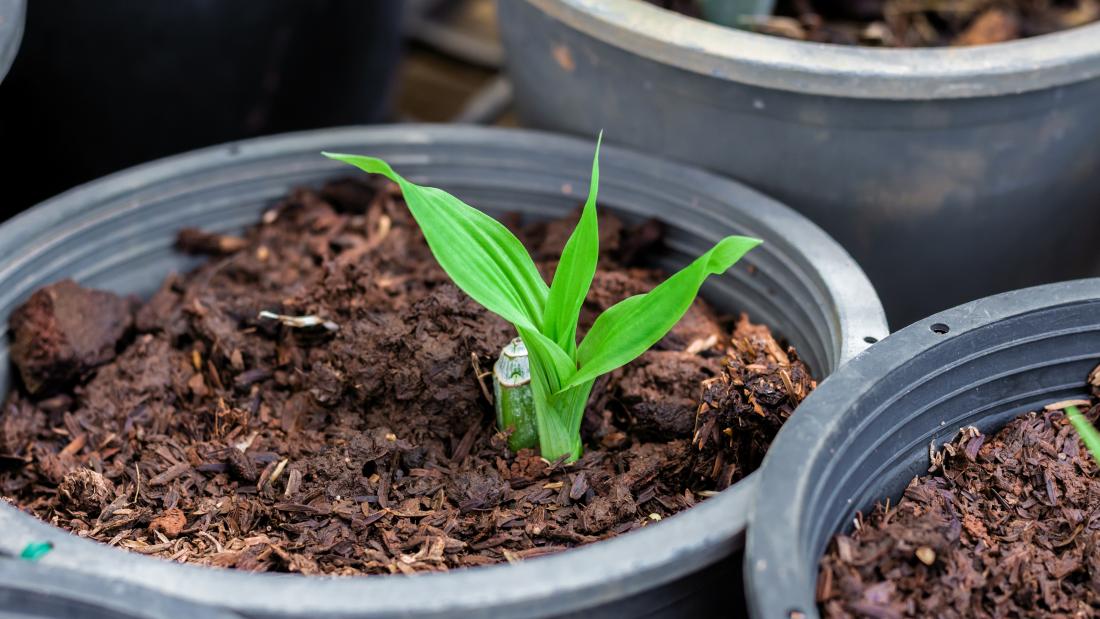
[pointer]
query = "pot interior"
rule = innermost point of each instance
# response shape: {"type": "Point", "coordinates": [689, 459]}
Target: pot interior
{"type": "Point", "coordinates": [980, 376]}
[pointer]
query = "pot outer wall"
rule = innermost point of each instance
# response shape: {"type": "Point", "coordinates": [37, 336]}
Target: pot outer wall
{"type": "Point", "coordinates": [118, 233]}
{"type": "Point", "coordinates": [103, 85]}
{"type": "Point", "coordinates": [940, 200]}
{"type": "Point", "coordinates": [865, 432]}
{"type": "Point", "coordinates": [30, 591]}
{"type": "Point", "coordinates": [12, 13]}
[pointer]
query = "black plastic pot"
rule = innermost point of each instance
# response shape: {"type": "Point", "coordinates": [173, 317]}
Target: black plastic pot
{"type": "Point", "coordinates": [12, 13]}
{"type": "Point", "coordinates": [30, 591]}
{"type": "Point", "coordinates": [117, 234]}
{"type": "Point", "coordinates": [107, 84]}
{"type": "Point", "coordinates": [864, 434]}
{"type": "Point", "coordinates": [949, 159]}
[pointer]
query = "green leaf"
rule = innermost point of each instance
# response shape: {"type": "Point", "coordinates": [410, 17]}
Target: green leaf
{"type": "Point", "coordinates": [575, 271]}
{"type": "Point", "coordinates": [1089, 436]}
{"type": "Point", "coordinates": [483, 257]}
{"type": "Point", "coordinates": [630, 327]}
{"type": "Point", "coordinates": [557, 364]}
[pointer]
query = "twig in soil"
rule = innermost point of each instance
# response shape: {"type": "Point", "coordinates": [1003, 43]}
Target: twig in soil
{"type": "Point", "coordinates": [481, 374]}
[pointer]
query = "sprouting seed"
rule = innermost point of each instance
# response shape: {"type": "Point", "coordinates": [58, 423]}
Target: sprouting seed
{"type": "Point", "coordinates": [488, 262]}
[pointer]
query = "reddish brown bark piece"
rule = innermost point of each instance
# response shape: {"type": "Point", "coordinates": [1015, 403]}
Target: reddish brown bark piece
{"type": "Point", "coordinates": [63, 330]}
{"type": "Point", "coordinates": [170, 523]}
{"type": "Point", "coordinates": [993, 26]}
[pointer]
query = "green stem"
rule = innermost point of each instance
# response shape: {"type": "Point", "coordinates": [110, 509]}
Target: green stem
{"type": "Point", "coordinates": [1088, 433]}
{"type": "Point", "coordinates": [559, 420]}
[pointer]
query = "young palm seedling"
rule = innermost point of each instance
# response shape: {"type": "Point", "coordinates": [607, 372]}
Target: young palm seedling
{"type": "Point", "coordinates": [488, 262]}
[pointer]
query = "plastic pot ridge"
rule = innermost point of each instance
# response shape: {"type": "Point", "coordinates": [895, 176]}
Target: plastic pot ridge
{"type": "Point", "coordinates": [117, 234]}
{"type": "Point", "coordinates": [865, 433]}
{"type": "Point", "coordinates": [12, 15]}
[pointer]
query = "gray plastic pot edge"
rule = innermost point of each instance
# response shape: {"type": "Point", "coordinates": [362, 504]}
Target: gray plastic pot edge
{"type": "Point", "coordinates": [587, 576]}
{"type": "Point", "coordinates": [814, 487]}
{"type": "Point", "coordinates": [13, 15]}
{"type": "Point", "coordinates": [835, 70]}
{"type": "Point", "coordinates": [29, 590]}
{"type": "Point", "coordinates": [38, 246]}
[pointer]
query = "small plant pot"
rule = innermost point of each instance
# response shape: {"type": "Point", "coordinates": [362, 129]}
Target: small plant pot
{"type": "Point", "coordinates": [118, 234]}
{"type": "Point", "coordinates": [884, 148]}
{"type": "Point", "coordinates": [865, 433]}
{"type": "Point", "coordinates": [12, 16]}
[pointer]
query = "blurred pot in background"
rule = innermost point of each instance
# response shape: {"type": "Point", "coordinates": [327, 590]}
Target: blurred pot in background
{"type": "Point", "coordinates": [11, 31]}
{"type": "Point", "coordinates": [99, 86]}
{"type": "Point", "coordinates": [949, 174]}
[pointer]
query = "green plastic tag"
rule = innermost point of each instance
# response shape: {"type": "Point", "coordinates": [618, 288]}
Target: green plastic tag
{"type": "Point", "coordinates": [35, 551]}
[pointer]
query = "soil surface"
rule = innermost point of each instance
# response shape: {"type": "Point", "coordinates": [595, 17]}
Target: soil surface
{"type": "Point", "coordinates": [1005, 527]}
{"type": "Point", "coordinates": [914, 23]}
{"type": "Point", "coordinates": [189, 427]}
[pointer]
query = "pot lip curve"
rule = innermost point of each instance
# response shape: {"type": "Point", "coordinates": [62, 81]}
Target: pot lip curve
{"type": "Point", "coordinates": [583, 576]}
{"type": "Point", "coordinates": [855, 72]}
{"type": "Point", "coordinates": [11, 31]}
{"type": "Point", "coordinates": [769, 549]}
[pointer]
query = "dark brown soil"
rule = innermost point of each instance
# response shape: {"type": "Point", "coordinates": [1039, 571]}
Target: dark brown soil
{"type": "Point", "coordinates": [915, 23]}
{"type": "Point", "coordinates": [1006, 527]}
{"type": "Point", "coordinates": [189, 428]}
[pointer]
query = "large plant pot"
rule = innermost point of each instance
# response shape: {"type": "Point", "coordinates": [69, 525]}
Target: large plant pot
{"type": "Point", "coordinates": [932, 167]}
{"type": "Point", "coordinates": [103, 85]}
{"type": "Point", "coordinates": [865, 432]}
{"type": "Point", "coordinates": [117, 234]}
{"type": "Point", "coordinates": [12, 14]}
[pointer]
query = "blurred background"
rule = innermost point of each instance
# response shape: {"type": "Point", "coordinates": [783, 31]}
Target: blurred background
{"type": "Point", "coordinates": [938, 198]}
{"type": "Point", "coordinates": [100, 86]}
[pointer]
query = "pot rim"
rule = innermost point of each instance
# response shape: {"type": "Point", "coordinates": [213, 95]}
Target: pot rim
{"type": "Point", "coordinates": [588, 575]}
{"type": "Point", "coordinates": [12, 19]}
{"type": "Point", "coordinates": [808, 437]}
{"type": "Point", "coordinates": [667, 37]}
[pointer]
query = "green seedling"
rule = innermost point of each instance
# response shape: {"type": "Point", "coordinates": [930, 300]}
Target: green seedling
{"type": "Point", "coordinates": [488, 262]}
{"type": "Point", "coordinates": [1089, 436]}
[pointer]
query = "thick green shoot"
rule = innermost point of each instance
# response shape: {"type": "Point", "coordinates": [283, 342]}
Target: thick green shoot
{"type": "Point", "coordinates": [485, 260]}
{"type": "Point", "coordinates": [1089, 436]}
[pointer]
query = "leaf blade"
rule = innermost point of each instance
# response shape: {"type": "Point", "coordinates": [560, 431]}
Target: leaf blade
{"type": "Point", "coordinates": [630, 327]}
{"type": "Point", "coordinates": [1088, 433]}
{"type": "Point", "coordinates": [480, 255]}
{"type": "Point", "coordinates": [576, 268]}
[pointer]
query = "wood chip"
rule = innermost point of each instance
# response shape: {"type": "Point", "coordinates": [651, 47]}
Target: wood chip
{"type": "Point", "coordinates": [170, 473]}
